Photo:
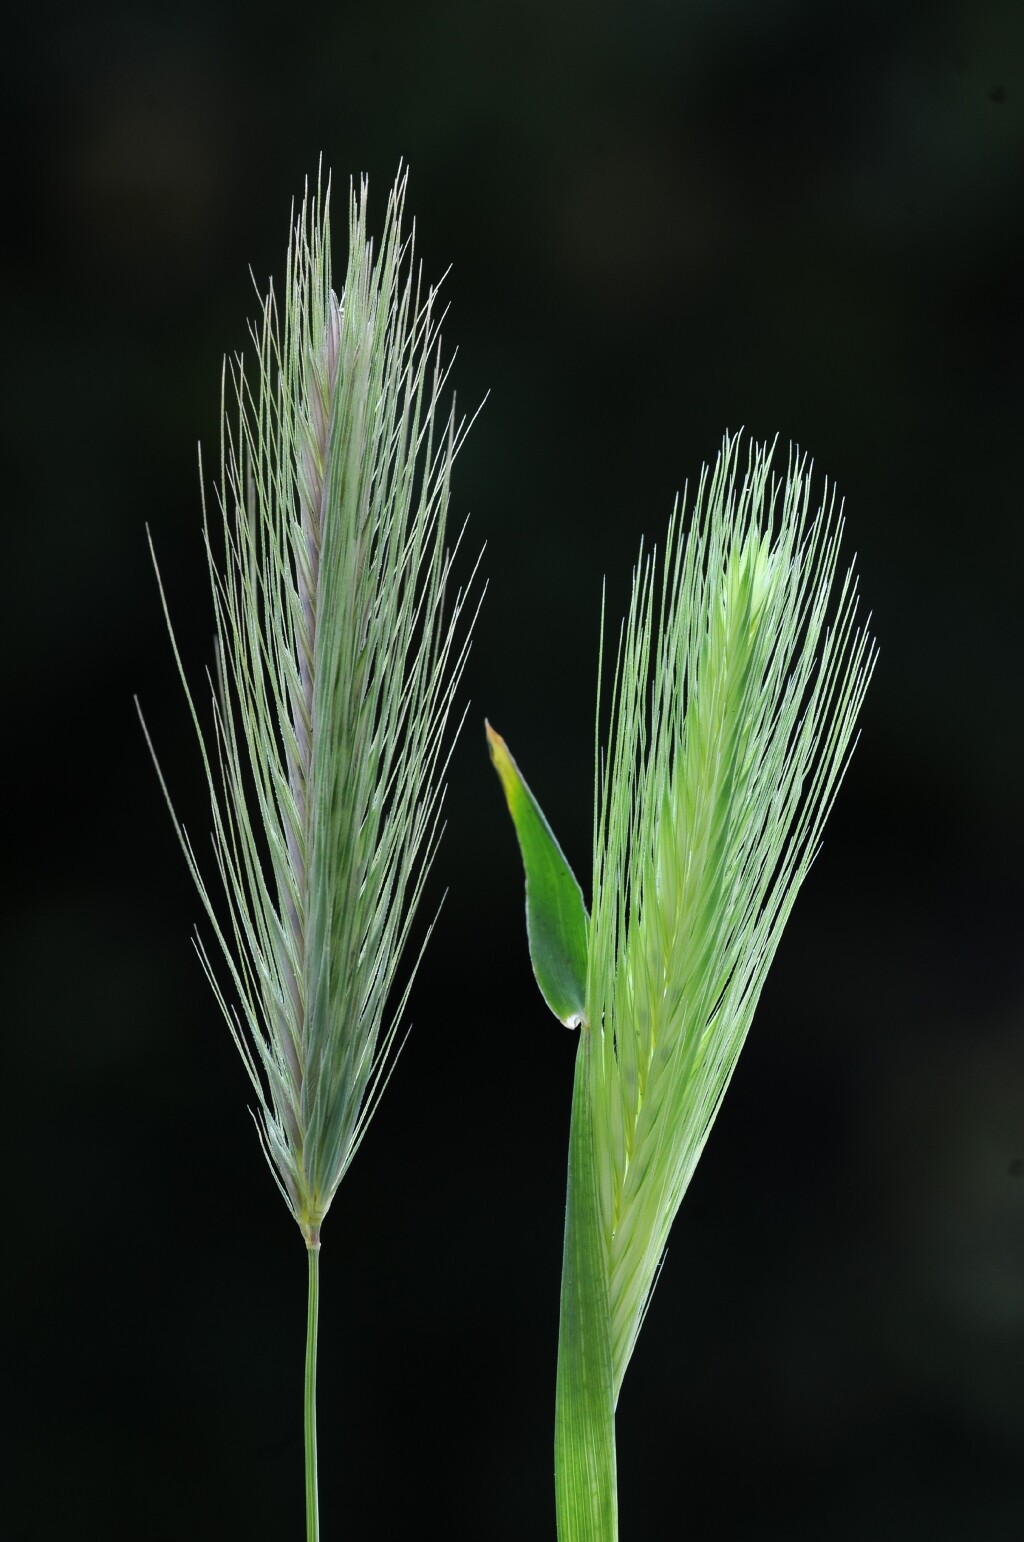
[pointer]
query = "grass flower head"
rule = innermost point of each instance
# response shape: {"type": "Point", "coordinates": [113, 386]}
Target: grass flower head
{"type": "Point", "coordinates": [339, 645]}
{"type": "Point", "coordinates": [739, 678]}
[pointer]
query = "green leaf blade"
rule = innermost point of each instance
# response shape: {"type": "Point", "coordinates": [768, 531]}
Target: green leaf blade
{"type": "Point", "coordinates": [557, 924]}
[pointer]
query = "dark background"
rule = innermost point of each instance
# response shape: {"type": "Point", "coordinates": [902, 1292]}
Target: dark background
{"type": "Point", "coordinates": [663, 219]}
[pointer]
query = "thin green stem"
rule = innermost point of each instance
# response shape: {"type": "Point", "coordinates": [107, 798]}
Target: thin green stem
{"type": "Point", "coordinates": [312, 1502]}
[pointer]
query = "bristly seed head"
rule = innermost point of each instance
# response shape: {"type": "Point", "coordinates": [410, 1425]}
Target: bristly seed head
{"type": "Point", "coordinates": [340, 647]}
{"type": "Point", "coordinates": [735, 704]}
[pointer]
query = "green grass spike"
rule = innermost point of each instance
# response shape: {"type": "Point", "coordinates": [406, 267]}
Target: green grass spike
{"type": "Point", "coordinates": [740, 676]}
{"type": "Point", "coordinates": [341, 637]}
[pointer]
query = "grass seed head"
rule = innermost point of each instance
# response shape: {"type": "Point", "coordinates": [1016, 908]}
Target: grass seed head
{"type": "Point", "coordinates": [738, 683]}
{"type": "Point", "coordinates": [340, 643]}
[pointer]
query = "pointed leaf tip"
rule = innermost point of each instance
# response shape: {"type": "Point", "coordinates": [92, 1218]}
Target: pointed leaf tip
{"type": "Point", "coordinates": [556, 916]}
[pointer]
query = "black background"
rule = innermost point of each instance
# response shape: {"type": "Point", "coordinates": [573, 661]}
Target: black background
{"type": "Point", "coordinates": [663, 219]}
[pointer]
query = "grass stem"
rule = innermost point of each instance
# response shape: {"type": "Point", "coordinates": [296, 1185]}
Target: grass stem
{"type": "Point", "coordinates": [586, 1500]}
{"type": "Point", "coordinates": [309, 1401]}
